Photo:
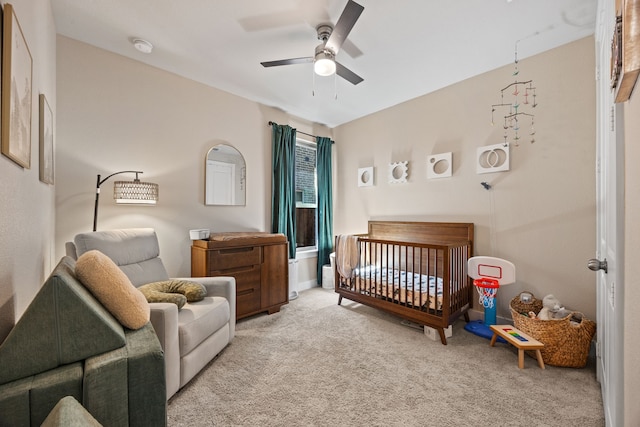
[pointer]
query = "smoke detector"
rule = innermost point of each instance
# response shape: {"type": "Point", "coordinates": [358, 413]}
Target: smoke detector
{"type": "Point", "coordinates": [142, 45]}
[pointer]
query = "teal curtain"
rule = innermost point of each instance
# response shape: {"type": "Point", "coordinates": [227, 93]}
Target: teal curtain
{"type": "Point", "coordinates": [283, 184]}
{"type": "Point", "coordinates": [325, 202]}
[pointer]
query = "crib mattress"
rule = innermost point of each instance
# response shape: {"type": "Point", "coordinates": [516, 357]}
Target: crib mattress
{"type": "Point", "coordinates": [403, 286]}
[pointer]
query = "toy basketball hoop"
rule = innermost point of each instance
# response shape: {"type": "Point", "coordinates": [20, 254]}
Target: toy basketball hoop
{"type": "Point", "coordinates": [487, 290]}
{"type": "Point", "coordinates": [488, 274]}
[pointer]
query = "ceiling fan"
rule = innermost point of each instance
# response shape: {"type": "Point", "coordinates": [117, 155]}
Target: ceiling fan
{"type": "Point", "coordinates": [324, 63]}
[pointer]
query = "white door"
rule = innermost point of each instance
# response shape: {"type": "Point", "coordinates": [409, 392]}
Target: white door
{"type": "Point", "coordinates": [609, 196]}
{"type": "Point", "coordinates": [221, 180]}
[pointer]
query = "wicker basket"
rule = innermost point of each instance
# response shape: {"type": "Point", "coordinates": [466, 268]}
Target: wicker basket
{"type": "Point", "coordinates": [565, 343]}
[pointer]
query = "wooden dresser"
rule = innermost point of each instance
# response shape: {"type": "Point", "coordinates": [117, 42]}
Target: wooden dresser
{"type": "Point", "coordinates": [258, 261]}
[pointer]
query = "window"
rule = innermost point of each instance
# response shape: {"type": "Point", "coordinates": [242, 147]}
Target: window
{"type": "Point", "coordinates": [306, 195]}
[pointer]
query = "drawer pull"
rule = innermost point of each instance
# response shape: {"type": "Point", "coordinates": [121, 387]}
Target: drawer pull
{"type": "Point", "coordinates": [231, 271]}
{"type": "Point", "coordinates": [245, 292]}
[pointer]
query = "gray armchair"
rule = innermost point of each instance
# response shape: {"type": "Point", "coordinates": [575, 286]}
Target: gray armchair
{"type": "Point", "coordinates": [191, 336]}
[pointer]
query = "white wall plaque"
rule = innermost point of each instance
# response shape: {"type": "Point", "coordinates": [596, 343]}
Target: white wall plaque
{"type": "Point", "coordinates": [439, 165]}
{"type": "Point", "coordinates": [398, 172]}
{"type": "Point", "coordinates": [493, 158]}
{"type": "Point", "coordinates": [365, 177]}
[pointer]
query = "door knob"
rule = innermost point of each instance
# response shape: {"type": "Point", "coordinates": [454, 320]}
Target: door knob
{"type": "Point", "coordinates": [596, 264]}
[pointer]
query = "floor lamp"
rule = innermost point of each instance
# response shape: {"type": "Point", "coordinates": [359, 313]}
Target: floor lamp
{"type": "Point", "coordinates": [127, 192]}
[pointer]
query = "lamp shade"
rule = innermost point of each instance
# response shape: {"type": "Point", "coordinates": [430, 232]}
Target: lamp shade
{"type": "Point", "coordinates": [135, 192]}
{"type": "Point", "coordinates": [127, 192]}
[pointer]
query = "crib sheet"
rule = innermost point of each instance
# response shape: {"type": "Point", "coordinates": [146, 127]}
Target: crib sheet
{"type": "Point", "coordinates": [400, 285]}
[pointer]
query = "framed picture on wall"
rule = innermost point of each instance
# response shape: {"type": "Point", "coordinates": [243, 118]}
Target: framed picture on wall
{"type": "Point", "coordinates": [629, 49]}
{"type": "Point", "coordinates": [46, 141]}
{"type": "Point", "coordinates": [16, 91]}
{"type": "Point", "coordinates": [616, 53]}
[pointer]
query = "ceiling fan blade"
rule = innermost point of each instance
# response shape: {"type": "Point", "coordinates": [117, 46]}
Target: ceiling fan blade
{"type": "Point", "coordinates": [343, 27]}
{"type": "Point", "coordinates": [351, 49]}
{"type": "Point", "coordinates": [347, 74]}
{"type": "Point", "coordinates": [291, 61]}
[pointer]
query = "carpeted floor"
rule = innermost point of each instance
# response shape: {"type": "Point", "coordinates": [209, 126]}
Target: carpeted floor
{"type": "Point", "coordinates": [319, 364]}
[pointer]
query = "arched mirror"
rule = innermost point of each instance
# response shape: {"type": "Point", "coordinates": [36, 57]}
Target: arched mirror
{"type": "Point", "coordinates": [225, 177]}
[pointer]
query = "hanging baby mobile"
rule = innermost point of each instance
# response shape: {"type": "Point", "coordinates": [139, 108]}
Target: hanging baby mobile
{"type": "Point", "coordinates": [520, 99]}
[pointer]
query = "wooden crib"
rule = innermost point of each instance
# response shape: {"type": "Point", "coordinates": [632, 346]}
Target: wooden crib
{"type": "Point", "coordinates": [414, 270]}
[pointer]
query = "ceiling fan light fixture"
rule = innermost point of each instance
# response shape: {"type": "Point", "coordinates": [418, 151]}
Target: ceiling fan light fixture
{"type": "Point", "coordinates": [324, 65]}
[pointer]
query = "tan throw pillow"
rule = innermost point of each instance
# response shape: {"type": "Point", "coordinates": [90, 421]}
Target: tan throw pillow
{"type": "Point", "coordinates": [113, 289]}
{"type": "Point", "coordinates": [178, 292]}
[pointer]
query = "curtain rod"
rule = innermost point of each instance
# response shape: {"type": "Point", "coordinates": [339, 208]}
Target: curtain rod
{"type": "Point", "coordinates": [297, 131]}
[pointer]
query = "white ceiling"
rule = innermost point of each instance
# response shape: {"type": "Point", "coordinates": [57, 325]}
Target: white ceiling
{"type": "Point", "coordinates": [403, 49]}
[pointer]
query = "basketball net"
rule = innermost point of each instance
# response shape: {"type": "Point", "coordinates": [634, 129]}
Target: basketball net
{"type": "Point", "coordinates": [487, 290]}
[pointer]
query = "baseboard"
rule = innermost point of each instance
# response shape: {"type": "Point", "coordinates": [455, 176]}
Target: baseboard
{"type": "Point", "coordinates": [479, 315]}
{"type": "Point", "coordinates": [303, 286]}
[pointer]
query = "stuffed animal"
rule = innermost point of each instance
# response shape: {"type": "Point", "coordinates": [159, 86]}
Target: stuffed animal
{"type": "Point", "coordinates": [562, 313]}
{"type": "Point", "coordinates": [550, 306]}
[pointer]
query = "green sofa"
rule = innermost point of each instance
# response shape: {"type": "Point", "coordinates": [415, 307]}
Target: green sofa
{"type": "Point", "coordinates": [67, 344]}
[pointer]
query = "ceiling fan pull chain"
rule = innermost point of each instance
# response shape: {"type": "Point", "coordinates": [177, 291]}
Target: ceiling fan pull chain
{"type": "Point", "coordinates": [313, 86]}
{"type": "Point", "coordinates": [335, 85]}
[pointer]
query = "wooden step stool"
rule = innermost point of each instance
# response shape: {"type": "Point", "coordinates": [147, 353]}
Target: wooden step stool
{"type": "Point", "coordinates": [519, 340]}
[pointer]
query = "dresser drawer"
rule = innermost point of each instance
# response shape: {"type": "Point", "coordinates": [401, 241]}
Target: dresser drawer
{"type": "Point", "coordinates": [224, 259]}
{"type": "Point", "coordinates": [247, 290]}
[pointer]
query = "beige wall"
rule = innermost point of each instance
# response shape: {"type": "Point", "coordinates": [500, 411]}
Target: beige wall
{"type": "Point", "coordinates": [540, 215]}
{"type": "Point", "coordinates": [119, 114]}
{"type": "Point", "coordinates": [27, 205]}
